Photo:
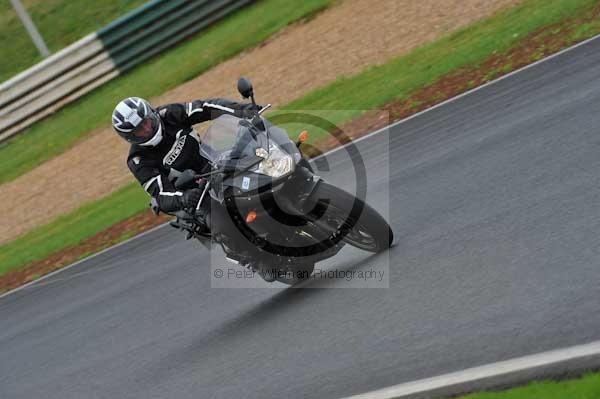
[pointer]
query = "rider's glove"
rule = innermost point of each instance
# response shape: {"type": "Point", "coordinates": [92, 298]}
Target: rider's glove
{"type": "Point", "coordinates": [250, 110]}
{"type": "Point", "coordinates": [190, 198]}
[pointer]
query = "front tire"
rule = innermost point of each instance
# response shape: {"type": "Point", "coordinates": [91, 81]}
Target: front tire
{"type": "Point", "coordinates": [342, 213]}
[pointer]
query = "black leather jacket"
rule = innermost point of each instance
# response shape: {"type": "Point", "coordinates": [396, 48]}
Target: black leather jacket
{"type": "Point", "coordinates": [156, 167]}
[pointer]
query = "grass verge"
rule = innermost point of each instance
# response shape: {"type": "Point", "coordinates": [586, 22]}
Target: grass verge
{"type": "Point", "coordinates": [586, 387]}
{"type": "Point", "coordinates": [470, 55]}
{"type": "Point", "coordinates": [240, 31]}
{"type": "Point", "coordinates": [72, 228]}
{"type": "Point", "coordinates": [398, 79]}
{"type": "Point", "coordinates": [60, 22]}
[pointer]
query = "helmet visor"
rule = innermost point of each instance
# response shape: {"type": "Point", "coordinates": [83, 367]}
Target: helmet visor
{"type": "Point", "coordinates": [147, 128]}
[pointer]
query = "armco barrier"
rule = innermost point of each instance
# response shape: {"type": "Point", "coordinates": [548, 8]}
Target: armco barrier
{"type": "Point", "coordinates": [101, 56]}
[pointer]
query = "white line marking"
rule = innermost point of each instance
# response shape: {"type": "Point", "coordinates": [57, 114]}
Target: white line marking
{"type": "Point", "coordinates": [337, 149]}
{"type": "Point", "coordinates": [489, 370]}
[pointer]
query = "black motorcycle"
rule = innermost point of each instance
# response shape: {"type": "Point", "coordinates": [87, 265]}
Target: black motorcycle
{"type": "Point", "coordinates": [266, 207]}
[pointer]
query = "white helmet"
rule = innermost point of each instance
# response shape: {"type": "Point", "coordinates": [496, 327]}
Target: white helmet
{"type": "Point", "coordinates": [136, 121]}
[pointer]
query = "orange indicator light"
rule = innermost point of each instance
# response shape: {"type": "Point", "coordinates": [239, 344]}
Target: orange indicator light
{"type": "Point", "coordinates": [303, 136]}
{"type": "Point", "coordinates": [250, 217]}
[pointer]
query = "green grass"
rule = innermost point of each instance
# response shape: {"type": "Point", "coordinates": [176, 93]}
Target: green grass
{"type": "Point", "coordinates": [73, 228]}
{"type": "Point", "coordinates": [398, 79]}
{"type": "Point", "coordinates": [586, 30]}
{"type": "Point", "coordinates": [242, 30]}
{"type": "Point", "coordinates": [372, 88]}
{"type": "Point", "coordinates": [60, 22]}
{"type": "Point", "coordinates": [587, 387]}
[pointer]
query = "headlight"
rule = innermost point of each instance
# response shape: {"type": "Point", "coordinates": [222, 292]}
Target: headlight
{"type": "Point", "coordinates": [277, 162]}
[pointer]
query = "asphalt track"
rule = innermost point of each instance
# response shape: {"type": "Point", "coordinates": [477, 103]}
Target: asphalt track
{"type": "Point", "coordinates": [495, 201]}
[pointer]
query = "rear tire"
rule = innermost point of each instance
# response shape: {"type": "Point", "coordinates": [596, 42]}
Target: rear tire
{"type": "Point", "coordinates": [342, 213]}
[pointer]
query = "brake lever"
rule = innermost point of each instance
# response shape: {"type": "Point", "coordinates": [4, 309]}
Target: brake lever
{"type": "Point", "coordinates": [206, 188]}
{"type": "Point", "coordinates": [263, 109]}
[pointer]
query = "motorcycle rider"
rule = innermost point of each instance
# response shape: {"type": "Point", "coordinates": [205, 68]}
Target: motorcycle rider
{"type": "Point", "coordinates": [164, 144]}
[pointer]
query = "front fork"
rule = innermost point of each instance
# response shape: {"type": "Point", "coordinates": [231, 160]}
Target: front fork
{"type": "Point", "coordinates": [295, 197]}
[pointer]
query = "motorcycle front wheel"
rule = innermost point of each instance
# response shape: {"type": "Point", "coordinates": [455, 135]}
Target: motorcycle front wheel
{"type": "Point", "coordinates": [341, 213]}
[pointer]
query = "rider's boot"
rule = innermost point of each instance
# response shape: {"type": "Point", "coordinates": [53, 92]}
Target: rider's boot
{"type": "Point", "coordinates": [203, 219]}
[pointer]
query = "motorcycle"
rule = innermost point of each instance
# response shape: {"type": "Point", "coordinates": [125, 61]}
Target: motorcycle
{"type": "Point", "coordinates": [268, 210]}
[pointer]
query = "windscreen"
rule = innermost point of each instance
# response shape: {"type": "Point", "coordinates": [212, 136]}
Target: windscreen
{"type": "Point", "coordinates": [230, 137]}
{"type": "Point", "coordinates": [222, 133]}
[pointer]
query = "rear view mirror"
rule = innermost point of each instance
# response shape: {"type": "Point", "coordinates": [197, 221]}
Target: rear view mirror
{"type": "Point", "coordinates": [245, 87]}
